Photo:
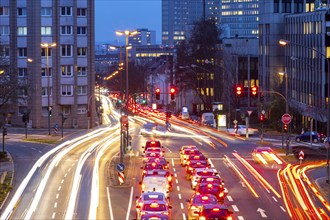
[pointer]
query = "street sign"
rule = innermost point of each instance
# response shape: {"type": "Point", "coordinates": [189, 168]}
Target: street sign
{"type": "Point", "coordinates": [286, 118]}
{"type": "Point", "coordinates": [121, 177]}
{"type": "Point", "coordinates": [301, 155]}
{"type": "Point", "coordinates": [120, 167]}
{"type": "Point", "coordinates": [249, 112]}
{"type": "Point", "coordinates": [235, 121]}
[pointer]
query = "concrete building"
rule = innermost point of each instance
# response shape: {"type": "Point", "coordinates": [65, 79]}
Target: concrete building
{"type": "Point", "coordinates": [143, 37]}
{"type": "Point", "coordinates": [60, 78]}
{"type": "Point", "coordinates": [179, 15]}
{"type": "Point", "coordinates": [307, 62]}
{"type": "Point", "coordinates": [304, 24]}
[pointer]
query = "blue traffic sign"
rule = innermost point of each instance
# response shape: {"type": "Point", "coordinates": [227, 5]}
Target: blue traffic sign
{"type": "Point", "coordinates": [120, 167]}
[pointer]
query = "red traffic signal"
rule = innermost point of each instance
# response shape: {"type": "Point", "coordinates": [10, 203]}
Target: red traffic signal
{"type": "Point", "coordinates": [157, 93]}
{"type": "Point", "coordinates": [172, 91]}
{"type": "Point", "coordinates": [262, 117]}
{"type": "Point", "coordinates": [254, 90]}
{"type": "Point", "coordinates": [239, 90]}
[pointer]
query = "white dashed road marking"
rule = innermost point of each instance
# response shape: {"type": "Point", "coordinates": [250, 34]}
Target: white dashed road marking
{"type": "Point", "coordinates": [235, 208]}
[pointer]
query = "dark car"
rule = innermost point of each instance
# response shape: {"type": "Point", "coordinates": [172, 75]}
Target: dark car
{"type": "Point", "coordinates": [215, 211]}
{"type": "Point", "coordinates": [306, 136]}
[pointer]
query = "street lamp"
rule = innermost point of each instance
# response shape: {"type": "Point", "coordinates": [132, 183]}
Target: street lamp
{"type": "Point", "coordinates": [121, 94]}
{"type": "Point", "coordinates": [284, 42]}
{"type": "Point", "coordinates": [127, 34]}
{"type": "Point", "coordinates": [285, 74]}
{"type": "Point", "coordinates": [47, 46]}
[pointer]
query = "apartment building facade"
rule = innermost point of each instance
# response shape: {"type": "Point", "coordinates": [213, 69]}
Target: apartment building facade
{"type": "Point", "coordinates": [50, 44]}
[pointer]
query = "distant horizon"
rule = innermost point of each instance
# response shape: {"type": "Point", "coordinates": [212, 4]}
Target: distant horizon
{"type": "Point", "coordinates": [109, 18]}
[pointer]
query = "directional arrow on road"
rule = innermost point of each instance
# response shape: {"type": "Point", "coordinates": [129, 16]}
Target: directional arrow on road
{"type": "Point", "coordinates": [262, 212]}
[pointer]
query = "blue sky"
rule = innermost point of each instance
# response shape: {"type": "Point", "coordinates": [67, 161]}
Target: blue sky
{"type": "Point", "coordinates": [112, 15]}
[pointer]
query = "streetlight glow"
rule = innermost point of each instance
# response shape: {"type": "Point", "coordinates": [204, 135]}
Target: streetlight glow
{"type": "Point", "coordinates": [283, 42]}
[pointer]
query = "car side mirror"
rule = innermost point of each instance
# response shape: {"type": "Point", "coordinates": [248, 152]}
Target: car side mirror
{"type": "Point", "coordinates": [142, 147]}
{"type": "Point", "coordinates": [136, 197]}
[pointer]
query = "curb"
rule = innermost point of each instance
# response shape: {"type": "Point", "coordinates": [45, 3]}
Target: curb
{"type": "Point", "coordinates": [11, 181]}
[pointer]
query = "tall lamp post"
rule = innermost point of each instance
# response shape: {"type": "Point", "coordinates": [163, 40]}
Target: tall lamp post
{"type": "Point", "coordinates": [47, 46]}
{"type": "Point", "coordinates": [127, 34]}
{"type": "Point", "coordinates": [285, 75]}
{"type": "Point", "coordinates": [121, 95]}
{"type": "Point", "coordinates": [284, 42]}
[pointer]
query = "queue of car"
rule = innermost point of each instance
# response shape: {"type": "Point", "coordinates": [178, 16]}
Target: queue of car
{"type": "Point", "coordinates": [207, 201]}
{"type": "Point", "coordinates": [157, 182]}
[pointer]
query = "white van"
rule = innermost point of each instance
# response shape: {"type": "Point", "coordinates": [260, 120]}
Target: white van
{"type": "Point", "coordinates": [208, 119]}
{"type": "Point", "coordinates": [156, 184]}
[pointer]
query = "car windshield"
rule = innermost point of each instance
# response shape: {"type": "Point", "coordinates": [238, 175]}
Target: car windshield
{"type": "Point", "coordinates": [205, 200]}
{"type": "Point", "coordinates": [212, 180]}
{"type": "Point", "coordinates": [155, 207]}
{"type": "Point", "coordinates": [153, 166]}
{"type": "Point", "coordinates": [209, 189]}
{"type": "Point", "coordinates": [158, 197]}
{"type": "Point", "coordinates": [157, 160]}
{"type": "Point", "coordinates": [205, 173]}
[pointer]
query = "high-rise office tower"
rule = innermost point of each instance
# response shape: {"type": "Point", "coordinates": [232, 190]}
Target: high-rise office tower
{"type": "Point", "coordinates": [179, 15]}
{"type": "Point", "coordinates": [143, 37]}
{"type": "Point", "coordinates": [50, 45]}
{"type": "Point", "coordinates": [239, 19]}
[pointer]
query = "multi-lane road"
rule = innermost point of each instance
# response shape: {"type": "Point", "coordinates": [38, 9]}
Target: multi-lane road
{"type": "Point", "coordinates": [77, 179]}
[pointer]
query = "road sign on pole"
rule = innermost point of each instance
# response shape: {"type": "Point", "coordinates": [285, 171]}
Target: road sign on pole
{"type": "Point", "coordinates": [121, 177]}
{"type": "Point", "coordinates": [301, 156]}
{"type": "Point", "coordinates": [286, 118]}
{"type": "Point", "coordinates": [120, 167]}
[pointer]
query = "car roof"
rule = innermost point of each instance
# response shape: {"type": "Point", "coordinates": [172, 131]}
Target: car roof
{"type": "Point", "coordinates": [220, 206]}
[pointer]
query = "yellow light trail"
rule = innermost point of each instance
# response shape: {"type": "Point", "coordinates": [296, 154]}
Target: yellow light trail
{"type": "Point", "coordinates": [256, 174]}
{"type": "Point", "coordinates": [241, 176]}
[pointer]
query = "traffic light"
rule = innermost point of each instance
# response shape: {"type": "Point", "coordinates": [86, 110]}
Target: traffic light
{"type": "Point", "coordinates": [4, 132]}
{"type": "Point", "coordinates": [285, 128]}
{"type": "Point", "coordinates": [238, 90]}
{"type": "Point", "coordinates": [50, 110]}
{"type": "Point", "coordinates": [158, 93]}
{"type": "Point", "coordinates": [24, 118]}
{"type": "Point", "coordinates": [172, 91]}
{"type": "Point", "coordinates": [254, 90]}
{"type": "Point", "coordinates": [262, 117]}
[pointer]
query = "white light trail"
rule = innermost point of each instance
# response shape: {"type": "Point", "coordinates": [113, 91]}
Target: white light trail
{"type": "Point", "coordinates": [13, 202]}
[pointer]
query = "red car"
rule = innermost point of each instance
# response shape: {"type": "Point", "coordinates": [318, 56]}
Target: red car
{"type": "Point", "coordinates": [193, 165]}
{"type": "Point", "coordinates": [209, 188]}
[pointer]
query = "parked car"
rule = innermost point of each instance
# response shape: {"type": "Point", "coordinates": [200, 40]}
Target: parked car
{"type": "Point", "coordinates": [241, 130]}
{"type": "Point", "coordinates": [306, 136]}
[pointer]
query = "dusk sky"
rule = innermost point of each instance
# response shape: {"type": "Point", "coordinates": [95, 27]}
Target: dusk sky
{"type": "Point", "coordinates": [113, 15]}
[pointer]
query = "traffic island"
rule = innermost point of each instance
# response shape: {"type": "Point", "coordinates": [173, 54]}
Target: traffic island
{"type": "Point", "coordinates": [122, 174]}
